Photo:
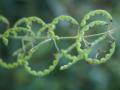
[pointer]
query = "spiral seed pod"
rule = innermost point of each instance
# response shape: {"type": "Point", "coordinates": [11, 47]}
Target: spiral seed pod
{"type": "Point", "coordinates": [4, 20]}
{"type": "Point", "coordinates": [28, 22]}
{"type": "Point", "coordinates": [25, 25]}
{"type": "Point", "coordinates": [12, 32]}
{"type": "Point", "coordinates": [102, 59]}
{"type": "Point", "coordinates": [64, 18]}
{"type": "Point", "coordinates": [19, 62]}
{"type": "Point", "coordinates": [94, 13]}
{"type": "Point", "coordinates": [73, 59]}
{"type": "Point", "coordinates": [84, 30]}
{"type": "Point", "coordinates": [45, 71]}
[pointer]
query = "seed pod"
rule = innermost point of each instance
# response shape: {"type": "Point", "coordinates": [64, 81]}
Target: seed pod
{"type": "Point", "coordinates": [93, 13]}
{"type": "Point", "coordinates": [45, 71]}
{"type": "Point", "coordinates": [102, 59]}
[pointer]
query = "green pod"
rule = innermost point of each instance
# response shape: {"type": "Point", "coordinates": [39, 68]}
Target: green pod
{"type": "Point", "coordinates": [93, 13]}
{"type": "Point", "coordinates": [84, 30]}
{"type": "Point", "coordinates": [45, 71]}
{"type": "Point", "coordinates": [19, 62]}
{"type": "Point", "coordinates": [64, 18]}
{"type": "Point", "coordinates": [12, 32]}
{"type": "Point", "coordinates": [4, 20]}
{"type": "Point", "coordinates": [92, 24]}
{"type": "Point", "coordinates": [83, 54]}
{"type": "Point", "coordinates": [102, 59]}
{"type": "Point", "coordinates": [28, 23]}
{"type": "Point", "coordinates": [73, 59]}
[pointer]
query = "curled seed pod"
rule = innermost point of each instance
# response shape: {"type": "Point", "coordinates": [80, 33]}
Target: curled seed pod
{"type": "Point", "coordinates": [70, 57]}
{"type": "Point", "coordinates": [45, 71]}
{"type": "Point", "coordinates": [66, 66]}
{"type": "Point", "coordinates": [55, 61]}
{"type": "Point", "coordinates": [4, 20]}
{"type": "Point", "coordinates": [22, 58]}
{"type": "Point", "coordinates": [52, 25]}
{"type": "Point", "coordinates": [93, 13]}
{"type": "Point", "coordinates": [92, 24]}
{"type": "Point", "coordinates": [64, 18]}
{"type": "Point", "coordinates": [74, 59]}
{"type": "Point", "coordinates": [39, 21]}
{"type": "Point", "coordinates": [103, 59]}
{"type": "Point", "coordinates": [98, 40]}
{"type": "Point", "coordinates": [64, 52]}
{"type": "Point", "coordinates": [28, 22]}
{"type": "Point", "coordinates": [12, 31]}
{"type": "Point", "coordinates": [20, 61]}
{"type": "Point", "coordinates": [78, 42]}
{"type": "Point", "coordinates": [22, 21]}
{"type": "Point", "coordinates": [82, 33]}
{"type": "Point", "coordinates": [52, 35]}
{"type": "Point", "coordinates": [61, 18]}
{"type": "Point", "coordinates": [86, 51]}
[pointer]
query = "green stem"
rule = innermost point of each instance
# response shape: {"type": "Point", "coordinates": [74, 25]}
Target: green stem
{"type": "Point", "coordinates": [48, 39]}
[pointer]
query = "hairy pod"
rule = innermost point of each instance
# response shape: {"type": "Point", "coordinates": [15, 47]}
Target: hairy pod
{"type": "Point", "coordinates": [73, 59]}
{"type": "Point", "coordinates": [94, 13]}
{"type": "Point", "coordinates": [4, 20]}
{"type": "Point", "coordinates": [45, 71]}
{"type": "Point", "coordinates": [26, 25]}
{"type": "Point", "coordinates": [106, 57]}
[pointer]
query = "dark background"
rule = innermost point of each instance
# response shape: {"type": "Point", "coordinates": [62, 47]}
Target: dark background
{"type": "Point", "coordinates": [80, 76]}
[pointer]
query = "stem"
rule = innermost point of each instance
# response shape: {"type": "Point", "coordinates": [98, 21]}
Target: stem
{"type": "Point", "coordinates": [72, 37]}
{"type": "Point", "coordinates": [23, 45]}
{"type": "Point", "coordinates": [71, 47]}
{"type": "Point", "coordinates": [99, 34]}
{"type": "Point", "coordinates": [56, 46]}
{"type": "Point", "coordinates": [37, 46]}
{"type": "Point", "coordinates": [26, 38]}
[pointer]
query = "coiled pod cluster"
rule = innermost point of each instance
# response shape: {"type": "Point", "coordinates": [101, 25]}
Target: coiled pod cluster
{"type": "Point", "coordinates": [29, 36]}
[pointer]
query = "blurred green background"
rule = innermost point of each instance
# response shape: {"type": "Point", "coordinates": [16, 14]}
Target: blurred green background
{"type": "Point", "coordinates": [80, 76]}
